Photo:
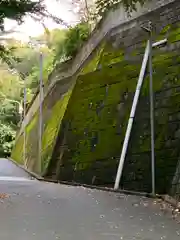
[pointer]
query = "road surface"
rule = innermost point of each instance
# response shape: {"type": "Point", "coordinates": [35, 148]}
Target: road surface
{"type": "Point", "coordinates": [34, 210]}
{"type": "Point", "coordinates": [9, 170]}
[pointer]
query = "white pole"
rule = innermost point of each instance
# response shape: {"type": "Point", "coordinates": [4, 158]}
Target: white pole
{"type": "Point", "coordinates": [131, 118]}
{"type": "Point", "coordinates": [133, 110]}
{"type": "Point", "coordinates": [40, 110]}
{"type": "Point", "coordinates": [161, 42]}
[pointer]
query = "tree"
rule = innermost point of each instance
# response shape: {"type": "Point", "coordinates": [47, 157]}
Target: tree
{"type": "Point", "coordinates": [16, 10]}
{"type": "Point", "coordinates": [73, 41]}
{"type": "Point", "coordinates": [11, 87]}
{"type": "Point", "coordinates": [86, 12]}
{"type": "Point", "coordinates": [10, 97]}
{"type": "Point", "coordinates": [83, 8]}
{"type": "Point", "coordinates": [52, 38]}
{"type": "Point", "coordinates": [103, 6]}
{"type": "Point", "coordinates": [10, 84]}
{"type": "Point", "coordinates": [19, 62]}
{"type": "Point", "coordinates": [7, 137]}
{"type": "Point", "coordinates": [32, 80]}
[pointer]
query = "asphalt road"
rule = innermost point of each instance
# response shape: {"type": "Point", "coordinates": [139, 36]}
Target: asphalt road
{"type": "Point", "coordinates": [9, 170]}
{"type": "Point", "coordinates": [34, 210]}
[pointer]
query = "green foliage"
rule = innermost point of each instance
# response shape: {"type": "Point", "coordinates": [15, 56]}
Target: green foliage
{"type": "Point", "coordinates": [103, 6]}
{"type": "Point", "coordinates": [73, 41]}
{"type": "Point", "coordinates": [20, 61]}
{"type": "Point", "coordinates": [13, 71]}
{"type": "Point", "coordinates": [7, 137]}
{"type": "Point", "coordinates": [17, 153]}
{"type": "Point", "coordinates": [53, 38]}
{"type": "Point", "coordinates": [6, 55]}
{"type": "Point", "coordinates": [52, 128]}
{"type": "Point", "coordinates": [26, 57]}
{"type": "Point", "coordinates": [10, 84]}
{"type": "Point", "coordinates": [32, 80]}
{"type": "Point", "coordinates": [10, 96]}
{"type": "Point", "coordinates": [10, 113]}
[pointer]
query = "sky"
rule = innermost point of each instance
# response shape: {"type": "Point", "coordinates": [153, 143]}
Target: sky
{"type": "Point", "coordinates": [62, 8]}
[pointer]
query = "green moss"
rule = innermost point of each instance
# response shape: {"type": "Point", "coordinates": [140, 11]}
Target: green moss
{"type": "Point", "coordinates": [111, 74]}
{"type": "Point", "coordinates": [165, 29]}
{"type": "Point", "coordinates": [163, 33]}
{"type": "Point", "coordinates": [174, 38]}
{"type": "Point", "coordinates": [174, 34]}
{"type": "Point", "coordinates": [160, 139]}
{"type": "Point", "coordinates": [135, 53]}
{"type": "Point", "coordinates": [110, 55]}
{"type": "Point", "coordinates": [105, 55]}
{"type": "Point", "coordinates": [93, 113]}
{"type": "Point", "coordinates": [32, 124]}
{"type": "Point", "coordinates": [93, 62]}
{"type": "Point", "coordinates": [52, 128]}
{"type": "Point", "coordinates": [17, 152]}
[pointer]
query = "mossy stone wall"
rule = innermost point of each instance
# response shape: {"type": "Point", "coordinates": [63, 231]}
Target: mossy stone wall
{"type": "Point", "coordinates": [90, 142]}
{"type": "Point", "coordinates": [54, 107]}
